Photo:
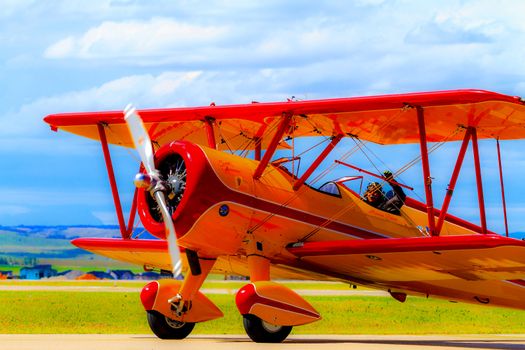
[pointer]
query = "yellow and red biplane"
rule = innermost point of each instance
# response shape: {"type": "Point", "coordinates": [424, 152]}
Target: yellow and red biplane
{"type": "Point", "coordinates": [212, 191]}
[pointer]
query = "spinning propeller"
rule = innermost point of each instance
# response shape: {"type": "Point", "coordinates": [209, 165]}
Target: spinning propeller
{"type": "Point", "coordinates": [152, 181]}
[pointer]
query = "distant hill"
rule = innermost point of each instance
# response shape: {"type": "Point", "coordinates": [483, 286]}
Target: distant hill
{"type": "Point", "coordinates": [51, 242]}
{"type": "Point", "coordinates": [70, 232]}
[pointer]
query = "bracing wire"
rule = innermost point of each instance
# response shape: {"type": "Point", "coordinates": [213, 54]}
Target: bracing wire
{"type": "Point", "coordinates": [222, 139]}
{"type": "Point", "coordinates": [344, 157]}
{"type": "Point", "coordinates": [320, 176]}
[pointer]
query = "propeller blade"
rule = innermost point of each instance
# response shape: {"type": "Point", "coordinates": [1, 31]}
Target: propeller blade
{"type": "Point", "coordinates": [171, 236]}
{"type": "Point", "coordinates": [140, 138]}
{"type": "Point", "coordinates": [142, 143]}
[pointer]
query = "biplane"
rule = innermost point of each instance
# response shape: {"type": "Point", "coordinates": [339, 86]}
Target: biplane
{"type": "Point", "coordinates": [209, 187]}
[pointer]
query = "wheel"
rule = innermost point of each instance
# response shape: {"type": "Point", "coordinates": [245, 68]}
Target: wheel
{"type": "Point", "coordinates": [263, 332]}
{"type": "Point", "coordinates": [166, 328]}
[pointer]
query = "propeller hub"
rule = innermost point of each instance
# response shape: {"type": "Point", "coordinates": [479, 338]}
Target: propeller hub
{"type": "Point", "coordinates": [144, 181]}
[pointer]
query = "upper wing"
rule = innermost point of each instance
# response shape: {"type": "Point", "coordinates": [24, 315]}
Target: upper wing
{"type": "Point", "coordinates": [472, 257]}
{"type": "Point", "coordinates": [387, 119]}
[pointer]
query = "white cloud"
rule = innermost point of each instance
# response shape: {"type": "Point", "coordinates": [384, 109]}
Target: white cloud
{"type": "Point", "coordinates": [29, 135]}
{"type": "Point", "coordinates": [143, 90]}
{"type": "Point", "coordinates": [161, 41]}
{"type": "Point", "coordinates": [61, 49]}
{"type": "Point", "coordinates": [365, 48]}
{"type": "Point", "coordinates": [13, 7]}
{"type": "Point", "coordinates": [445, 33]}
{"type": "Point", "coordinates": [156, 37]}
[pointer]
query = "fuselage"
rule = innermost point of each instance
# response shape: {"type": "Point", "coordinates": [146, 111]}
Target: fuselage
{"type": "Point", "coordinates": [223, 208]}
{"type": "Point", "coordinates": [271, 209]}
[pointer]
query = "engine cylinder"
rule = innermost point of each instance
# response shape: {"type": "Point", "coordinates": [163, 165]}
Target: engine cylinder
{"type": "Point", "coordinates": [179, 165]}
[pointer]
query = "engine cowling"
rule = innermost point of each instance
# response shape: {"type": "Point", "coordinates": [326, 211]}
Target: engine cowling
{"type": "Point", "coordinates": [181, 166]}
{"type": "Point", "coordinates": [215, 201]}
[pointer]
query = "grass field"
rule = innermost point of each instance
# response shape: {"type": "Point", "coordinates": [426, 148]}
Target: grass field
{"type": "Point", "coordinates": [83, 312]}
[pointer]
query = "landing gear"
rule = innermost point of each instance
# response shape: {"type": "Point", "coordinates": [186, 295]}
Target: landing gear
{"type": "Point", "coordinates": [263, 332]}
{"type": "Point", "coordinates": [166, 328]}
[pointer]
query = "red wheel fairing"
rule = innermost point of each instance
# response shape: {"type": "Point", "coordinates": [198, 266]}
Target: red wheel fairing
{"type": "Point", "coordinates": [149, 294]}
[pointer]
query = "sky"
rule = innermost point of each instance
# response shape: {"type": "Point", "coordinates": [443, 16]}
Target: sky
{"type": "Point", "coordinates": [67, 55]}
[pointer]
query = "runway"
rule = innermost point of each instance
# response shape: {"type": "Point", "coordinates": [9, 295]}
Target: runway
{"type": "Point", "coordinates": [241, 342]}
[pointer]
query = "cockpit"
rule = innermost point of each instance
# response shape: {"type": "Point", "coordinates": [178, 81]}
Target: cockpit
{"type": "Point", "coordinates": [332, 187]}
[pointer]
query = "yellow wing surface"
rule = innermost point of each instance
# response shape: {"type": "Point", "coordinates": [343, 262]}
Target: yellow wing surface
{"type": "Point", "coordinates": [470, 257]}
{"type": "Point", "coordinates": [154, 254]}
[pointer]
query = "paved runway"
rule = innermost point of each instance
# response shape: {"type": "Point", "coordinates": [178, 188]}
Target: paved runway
{"type": "Point", "coordinates": [221, 342]}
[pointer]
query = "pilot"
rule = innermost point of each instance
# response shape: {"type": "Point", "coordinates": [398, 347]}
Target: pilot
{"type": "Point", "coordinates": [390, 202]}
{"type": "Point", "coordinates": [395, 198]}
{"type": "Point", "coordinates": [374, 194]}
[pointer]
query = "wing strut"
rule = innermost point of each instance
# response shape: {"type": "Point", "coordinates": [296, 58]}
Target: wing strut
{"type": "Point", "coordinates": [257, 152]}
{"type": "Point", "coordinates": [210, 134]}
{"type": "Point", "coordinates": [426, 169]}
{"type": "Point", "coordinates": [453, 180]}
{"type": "Point", "coordinates": [285, 122]}
{"type": "Point", "coordinates": [502, 190]}
{"type": "Point", "coordinates": [315, 164]}
{"type": "Point", "coordinates": [125, 231]}
{"type": "Point", "coordinates": [477, 166]}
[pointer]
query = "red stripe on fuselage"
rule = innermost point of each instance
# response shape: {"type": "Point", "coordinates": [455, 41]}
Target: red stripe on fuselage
{"type": "Point", "coordinates": [299, 215]}
{"type": "Point", "coordinates": [520, 283]}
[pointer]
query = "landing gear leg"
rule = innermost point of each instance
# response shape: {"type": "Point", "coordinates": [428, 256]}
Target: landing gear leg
{"type": "Point", "coordinates": [182, 302]}
{"type": "Point", "coordinates": [257, 329]}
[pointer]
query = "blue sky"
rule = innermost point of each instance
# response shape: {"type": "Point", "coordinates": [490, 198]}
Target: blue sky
{"type": "Point", "coordinates": [63, 56]}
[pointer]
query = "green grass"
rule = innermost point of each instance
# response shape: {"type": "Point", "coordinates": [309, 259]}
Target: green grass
{"type": "Point", "coordinates": [90, 263]}
{"type": "Point", "coordinates": [14, 268]}
{"type": "Point", "coordinates": [79, 312]}
{"type": "Point", "coordinates": [14, 242]}
{"type": "Point", "coordinates": [74, 283]}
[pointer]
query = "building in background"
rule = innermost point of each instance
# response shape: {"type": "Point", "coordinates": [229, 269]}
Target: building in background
{"type": "Point", "coordinates": [37, 272]}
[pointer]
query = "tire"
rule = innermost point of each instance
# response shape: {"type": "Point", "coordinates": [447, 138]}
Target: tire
{"type": "Point", "coordinates": [262, 332]}
{"type": "Point", "coordinates": [166, 328]}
